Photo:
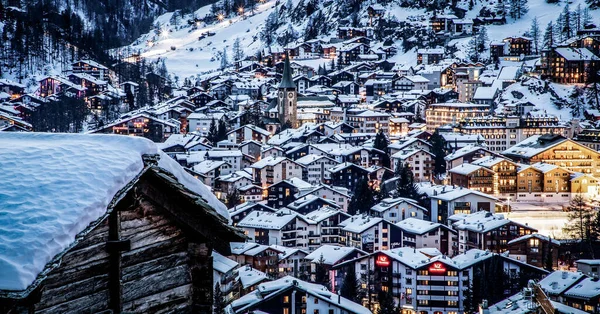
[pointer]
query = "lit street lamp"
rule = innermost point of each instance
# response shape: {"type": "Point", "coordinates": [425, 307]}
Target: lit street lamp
{"type": "Point", "coordinates": [220, 17]}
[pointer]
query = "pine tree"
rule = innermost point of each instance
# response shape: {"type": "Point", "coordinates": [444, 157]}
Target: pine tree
{"type": "Point", "coordinates": [320, 274]}
{"type": "Point", "coordinates": [224, 62]}
{"type": "Point", "coordinates": [579, 218]}
{"type": "Point", "coordinates": [566, 30]}
{"type": "Point", "coordinates": [577, 105]}
{"type": "Point", "coordinates": [238, 52]}
{"type": "Point", "coordinates": [363, 198]}
{"type": "Point", "coordinates": [406, 183]}
{"type": "Point", "coordinates": [470, 305]}
{"type": "Point", "coordinates": [438, 149]}
{"type": "Point", "coordinates": [548, 40]}
{"type": "Point", "coordinates": [221, 131]}
{"type": "Point", "coordinates": [233, 198]}
{"type": "Point", "coordinates": [213, 132]}
{"type": "Point", "coordinates": [592, 85]}
{"type": "Point", "coordinates": [218, 300]}
{"type": "Point", "coordinates": [577, 18]}
{"type": "Point", "coordinates": [381, 143]}
{"type": "Point", "coordinates": [386, 303]}
{"type": "Point", "coordinates": [351, 286]}
{"type": "Point", "coordinates": [586, 18]}
{"type": "Point", "coordinates": [535, 34]}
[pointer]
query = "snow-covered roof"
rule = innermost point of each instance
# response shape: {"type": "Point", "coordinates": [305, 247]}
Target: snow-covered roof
{"type": "Point", "coordinates": [249, 276]}
{"type": "Point", "coordinates": [418, 226]}
{"type": "Point", "coordinates": [266, 220]}
{"type": "Point", "coordinates": [533, 145]}
{"type": "Point", "coordinates": [35, 169]}
{"type": "Point", "coordinates": [465, 169]}
{"type": "Point", "coordinates": [223, 264]}
{"type": "Point", "coordinates": [310, 158]}
{"type": "Point", "coordinates": [576, 54]}
{"type": "Point", "coordinates": [269, 161]}
{"type": "Point", "coordinates": [468, 149]}
{"type": "Point", "coordinates": [584, 289]}
{"type": "Point", "coordinates": [323, 213]}
{"type": "Point", "coordinates": [481, 221]}
{"type": "Point", "coordinates": [388, 203]}
{"type": "Point", "coordinates": [559, 281]}
{"type": "Point", "coordinates": [287, 251]}
{"type": "Point", "coordinates": [359, 223]}
{"type": "Point", "coordinates": [271, 289]}
{"type": "Point", "coordinates": [331, 254]}
{"type": "Point", "coordinates": [534, 235]}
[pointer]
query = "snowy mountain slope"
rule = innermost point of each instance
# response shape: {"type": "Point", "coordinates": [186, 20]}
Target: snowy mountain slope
{"type": "Point", "coordinates": [192, 56]}
{"type": "Point", "coordinates": [545, 13]}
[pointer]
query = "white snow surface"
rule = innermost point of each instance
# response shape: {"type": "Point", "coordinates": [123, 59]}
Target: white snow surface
{"type": "Point", "coordinates": [55, 185]}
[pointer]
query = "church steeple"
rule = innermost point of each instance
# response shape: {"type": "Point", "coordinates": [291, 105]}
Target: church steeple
{"type": "Point", "coordinates": [286, 80]}
{"type": "Point", "coordinates": [287, 96]}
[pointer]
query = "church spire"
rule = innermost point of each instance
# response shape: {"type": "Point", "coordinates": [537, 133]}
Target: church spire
{"type": "Point", "coordinates": [286, 80]}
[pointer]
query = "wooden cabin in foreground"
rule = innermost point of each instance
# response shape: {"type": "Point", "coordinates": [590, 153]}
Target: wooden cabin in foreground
{"type": "Point", "coordinates": [149, 253]}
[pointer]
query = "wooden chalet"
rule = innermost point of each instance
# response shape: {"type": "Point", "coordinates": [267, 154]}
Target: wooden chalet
{"type": "Point", "coordinates": [148, 252]}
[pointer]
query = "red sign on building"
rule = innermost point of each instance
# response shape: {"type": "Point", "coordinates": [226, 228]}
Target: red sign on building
{"type": "Point", "coordinates": [437, 268]}
{"type": "Point", "coordinates": [382, 261]}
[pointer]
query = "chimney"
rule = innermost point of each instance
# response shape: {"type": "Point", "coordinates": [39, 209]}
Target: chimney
{"type": "Point", "coordinates": [339, 299]}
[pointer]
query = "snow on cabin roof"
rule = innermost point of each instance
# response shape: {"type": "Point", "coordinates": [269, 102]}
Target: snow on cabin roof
{"type": "Point", "coordinates": [253, 128]}
{"type": "Point", "coordinates": [274, 288]}
{"type": "Point", "coordinates": [515, 304]}
{"type": "Point", "coordinates": [538, 236]}
{"type": "Point", "coordinates": [481, 221]}
{"type": "Point", "coordinates": [310, 158]}
{"type": "Point", "coordinates": [389, 202]}
{"type": "Point", "coordinates": [558, 281]}
{"type": "Point", "coordinates": [485, 92]}
{"type": "Point", "coordinates": [576, 54]}
{"type": "Point", "coordinates": [299, 183]}
{"type": "Point", "coordinates": [323, 213]}
{"type": "Point", "coordinates": [307, 199]}
{"type": "Point", "coordinates": [465, 169]}
{"type": "Point", "coordinates": [489, 161]}
{"type": "Point", "coordinates": [235, 176]}
{"type": "Point", "coordinates": [418, 226]}
{"type": "Point", "coordinates": [585, 289]}
{"type": "Point", "coordinates": [534, 145]}
{"type": "Point", "coordinates": [468, 149]}
{"type": "Point", "coordinates": [269, 161]}
{"type": "Point", "coordinates": [404, 154]}
{"type": "Point", "coordinates": [224, 153]}
{"type": "Point", "coordinates": [249, 276]}
{"type": "Point", "coordinates": [223, 264]}
{"type": "Point", "coordinates": [416, 78]}
{"type": "Point", "coordinates": [412, 257]}
{"type": "Point", "coordinates": [359, 223]}
{"type": "Point", "coordinates": [35, 169]}
{"type": "Point", "coordinates": [431, 51]}
{"type": "Point", "coordinates": [287, 251]}
{"type": "Point", "coordinates": [239, 248]}
{"type": "Point", "coordinates": [206, 166]}
{"type": "Point", "coordinates": [332, 254]}
{"type": "Point", "coordinates": [543, 167]}
{"type": "Point", "coordinates": [266, 220]}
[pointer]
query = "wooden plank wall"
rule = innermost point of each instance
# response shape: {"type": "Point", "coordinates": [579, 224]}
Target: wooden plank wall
{"type": "Point", "coordinates": [155, 273]}
{"type": "Point", "coordinates": [80, 283]}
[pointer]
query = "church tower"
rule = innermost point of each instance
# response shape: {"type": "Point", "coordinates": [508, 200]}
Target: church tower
{"type": "Point", "coordinates": [287, 97]}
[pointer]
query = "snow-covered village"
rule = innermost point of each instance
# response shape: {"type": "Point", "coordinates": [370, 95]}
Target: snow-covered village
{"type": "Point", "coordinates": [300, 156]}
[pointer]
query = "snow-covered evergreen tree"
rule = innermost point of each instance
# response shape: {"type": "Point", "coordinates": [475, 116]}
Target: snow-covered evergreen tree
{"type": "Point", "coordinates": [535, 34]}
{"type": "Point", "coordinates": [224, 62]}
{"type": "Point", "coordinates": [238, 51]}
